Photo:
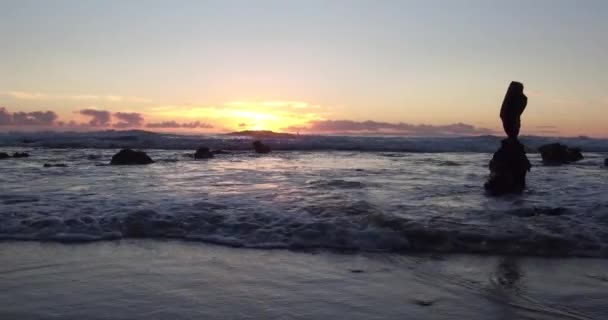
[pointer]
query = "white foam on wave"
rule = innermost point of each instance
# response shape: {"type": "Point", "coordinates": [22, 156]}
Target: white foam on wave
{"type": "Point", "coordinates": [354, 226]}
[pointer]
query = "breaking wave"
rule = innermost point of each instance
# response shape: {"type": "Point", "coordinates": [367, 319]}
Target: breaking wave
{"type": "Point", "coordinates": [149, 140]}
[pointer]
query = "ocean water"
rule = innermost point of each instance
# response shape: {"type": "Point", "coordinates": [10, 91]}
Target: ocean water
{"type": "Point", "coordinates": [303, 198]}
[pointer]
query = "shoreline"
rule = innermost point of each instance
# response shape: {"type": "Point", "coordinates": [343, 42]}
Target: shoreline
{"type": "Point", "coordinates": [160, 279]}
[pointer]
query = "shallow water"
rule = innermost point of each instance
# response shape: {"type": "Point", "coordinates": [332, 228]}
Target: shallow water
{"type": "Point", "coordinates": [143, 279]}
{"type": "Point", "coordinates": [371, 201]}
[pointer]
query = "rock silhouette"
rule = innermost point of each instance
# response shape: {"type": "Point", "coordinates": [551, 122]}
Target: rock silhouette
{"type": "Point", "coordinates": [513, 106]}
{"type": "Point", "coordinates": [55, 165]}
{"type": "Point", "coordinates": [4, 155]}
{"type": "Point", "coordinates": [606, 163]}
{"type": "Point", "coordinates": [509, 165]}
{"type": "Point", "coordinates": [130, 157]}
{"type": "Point", "coordinates": [557, 153]}
{"type": "Point", "coordinates": [508, 168]}
{"type": "Point", "coordinates": [203, 153]}
{"type": "Point", "coordinates": [259, 147]}
{"type": "Point", "coordinates": [20, 155]}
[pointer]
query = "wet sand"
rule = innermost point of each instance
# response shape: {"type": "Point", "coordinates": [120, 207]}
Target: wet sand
{"type": "Point", "coordinates": [150, 279]}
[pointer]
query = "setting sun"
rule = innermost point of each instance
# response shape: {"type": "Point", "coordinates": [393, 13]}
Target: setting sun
{"type": "Point", "coordinates": [242, 115]}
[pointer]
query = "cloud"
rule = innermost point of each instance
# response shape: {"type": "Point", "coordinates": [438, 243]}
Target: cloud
{"type": "Point", "coordinates": [41, 96]}
{"type": "Point", "coordinates": [348, 126]}
{"type": "Point", "coordinates": [175, 125]}
{"type": "Point", "coordinates": [128, 120]}
{"type": "Point", "coordinates": [99, 118]}
{"type": "Point", "coordinates": [6, 118]}
{"type": "Point", "coordinates": [35, 118]}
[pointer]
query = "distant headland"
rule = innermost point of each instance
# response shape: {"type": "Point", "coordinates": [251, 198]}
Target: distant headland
{"type": "Point", "coordinates": [263, 134]}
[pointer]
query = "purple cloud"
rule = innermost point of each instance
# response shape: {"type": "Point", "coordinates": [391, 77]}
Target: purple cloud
{"type": "Point", "coordinates": [35, 118]}
{"type": "Point", "coordinates": [6, 118]}
{"type": "Point", "coordinates": [99, 118]}
{"type": "Point", "coordinates": [128, 120]}
{"type": "Point", "coordinates": [175, 125]}
{"type": "Point", "coordinates": [348, 126]}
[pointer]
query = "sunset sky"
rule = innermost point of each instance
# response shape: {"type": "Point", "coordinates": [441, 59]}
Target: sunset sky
{"type": "Point", "coordinates": [407, 67]}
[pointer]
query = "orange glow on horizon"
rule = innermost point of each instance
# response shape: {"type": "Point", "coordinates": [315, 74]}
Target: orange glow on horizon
{"type": "Point", "coordinates": [243, 115]}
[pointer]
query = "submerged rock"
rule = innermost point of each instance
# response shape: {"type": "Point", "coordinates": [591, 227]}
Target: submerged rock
{"type": "Point", "coordinates": [130, 157]}
{"type": "Point", "coordinates": [509, 165]}
{"type": "Point", "coordinates": [20, 155]}
{"type": "Point", "coordinates": [508, 169]}
{"type": "Point", "coordinates": [4, 155]}
{"type": "Point", "coordinates": [557, 153]}
{"type": "Point", "coordinates": [203, 153]}
{"type": "Point", "coordinates": [259, 147]}
{"type": "Point", "coordinates": [55, 165]}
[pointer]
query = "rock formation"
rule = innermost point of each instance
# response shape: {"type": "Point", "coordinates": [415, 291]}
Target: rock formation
{"type": "Point", "coordinates": [512, 107]}
{"type": "Point", "coordinates": [203, 153]}
{"type": "Point", "coordinates": [20, 155]}
{"type": "Point", "coordinates": [54, 165]}
{"type": "Point", "coordinates": [260, 147]}
{"type": "Point", "coordinates": [4, 155]}
{"type": "Point", "coordinates": [557, 153]}
{"type": "Point", "coordinates": [129, 157]}
{"type": "Point", "coordinates": [509, 165]}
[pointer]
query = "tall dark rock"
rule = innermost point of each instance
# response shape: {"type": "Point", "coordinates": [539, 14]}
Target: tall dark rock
{"type": "Point", "coordinates": [513, 106]}
{"type": "Point", "coordinates": [509, 165]}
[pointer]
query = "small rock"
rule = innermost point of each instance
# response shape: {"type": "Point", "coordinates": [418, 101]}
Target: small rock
{"type": "Point", "coordinates": [259, 147]}
{"type": "Point", "coordinates": [203, 153]}
{"type": "Point", "coordinates": [20, 155]}
{"type": "Point", "coordinates": [356, 271]}
{"type": "Point", "coordinates": [4, 155]}
{"type": "Point", "coordinates": [130, 157]}
{"type": "Point", "coordinates": [424, 302]}
{"type": "Point", "coordinates": [557, 153]}
{"type": "Point", "coordinates": [55, 165]}
{"type": "Point", "coordinates": [606, 163]}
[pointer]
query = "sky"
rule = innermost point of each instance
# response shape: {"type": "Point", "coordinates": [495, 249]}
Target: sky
{"type": "Point", "coordinates": [343, 66]}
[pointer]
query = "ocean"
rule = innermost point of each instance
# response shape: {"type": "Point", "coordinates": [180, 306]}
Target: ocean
{"type": "Point", "coordinates": [352, 194]}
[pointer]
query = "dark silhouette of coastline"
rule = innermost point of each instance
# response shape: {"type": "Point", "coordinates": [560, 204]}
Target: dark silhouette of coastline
{"type": "Point", "coordinates": [263, 134]}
